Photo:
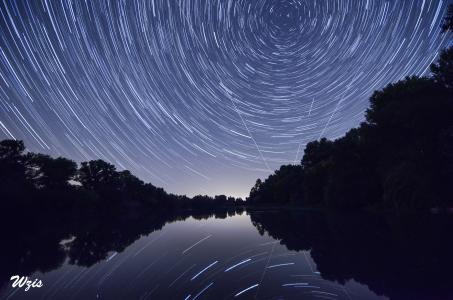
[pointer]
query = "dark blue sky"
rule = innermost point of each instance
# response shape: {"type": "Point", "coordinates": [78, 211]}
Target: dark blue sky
{"type": "Point", "coordinates": [202, 96]}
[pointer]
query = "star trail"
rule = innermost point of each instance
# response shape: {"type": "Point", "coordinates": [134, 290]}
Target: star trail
{"type": "Point", "coordinates": [202, 96]}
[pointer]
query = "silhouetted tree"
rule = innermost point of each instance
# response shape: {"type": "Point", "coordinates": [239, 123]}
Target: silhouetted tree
{"type": "Point", "coordinates": [447, 24]}
{"type": "Point", "coordinates": [400, 158]}
{"type": "Point", "coordinates": [365, 246]}
{"type": "Point", "coordinates": [14, 184]}
{"type": "Point", "coordinates": [352, 181]}
{"type": "Point", "coordinates": [11, 149]}
{"type": "Point", "coordinates": [255, 190]}
{"type": "Point", "coordinates": [97, 173]}
{"type": "Point", "coordinates": [317, 163]}
{"type": "Point", "coordinates": [443, 69]}
{"type": "Point", "coordinates": [48, 172]}
{"type": "Point", "coordinates": [12, 162]}
{"type": "Point", "coordinates": [284, 186]}
{"type": "Point", "coordinates": [408, 118]}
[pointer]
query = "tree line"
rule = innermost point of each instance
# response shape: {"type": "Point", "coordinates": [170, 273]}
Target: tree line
{"type": "Point", "coordinates": [30, 180]}
{"type": "Point", "coordinates": [400, 157]}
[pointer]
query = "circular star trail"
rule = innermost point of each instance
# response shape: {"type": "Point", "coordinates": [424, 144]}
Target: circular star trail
{"type": "Point", "coordinates": [202, 96]}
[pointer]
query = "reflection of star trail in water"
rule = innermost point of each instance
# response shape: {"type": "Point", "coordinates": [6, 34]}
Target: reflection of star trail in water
{"type": "Point", "coordinates": [201, 96]}
{"type": "Point", "coordinates": [247, 289]}
{"type": "Point", "coordinates": [200, 241]}
{"type": "Point", "coordinates": [218, 268]}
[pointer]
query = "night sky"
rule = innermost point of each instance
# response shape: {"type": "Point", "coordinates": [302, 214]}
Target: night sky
{"type": "Point", "coordinates": [202, 96]}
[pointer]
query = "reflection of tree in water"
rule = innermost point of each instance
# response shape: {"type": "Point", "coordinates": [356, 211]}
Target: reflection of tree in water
{"type": "Point", "coordinates": [35, 249]}
{"type": "Point", "coordinates": [44, 242]}
{"type": "Point", "coordinates": [406, 257]}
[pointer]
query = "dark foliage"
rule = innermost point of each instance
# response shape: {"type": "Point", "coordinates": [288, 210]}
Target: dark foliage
{"type": "Point", "coordinates": [447, 24]}
{"type": "Point", "coordinates": [401, 157]}
{"type": "Point", "coordinates": [31, 182]}
{"type": "Point", "coordinates": [280, 187]}
{"type": "Point", "coordinates": [443, 69]}
{"type": "Point", "coordinates": [399, 256]}
{"type": "Point", "coordinates": [42, 240]}
{"type": "Point", "coordinates": [51, 211]}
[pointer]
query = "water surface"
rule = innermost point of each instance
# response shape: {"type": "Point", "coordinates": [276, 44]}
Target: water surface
{"type": "Point", "coordinates": [277, 254]}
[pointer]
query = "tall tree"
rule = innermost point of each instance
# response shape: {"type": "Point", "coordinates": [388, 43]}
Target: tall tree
{"type": "Point", "coordinates": [98, 175]}
{"type": "Point", "coordinates": [12, 164]}
{"type": "Point", "coordinates": [48, 172]}
{"type": "Point", "coordinates": [447, 24]}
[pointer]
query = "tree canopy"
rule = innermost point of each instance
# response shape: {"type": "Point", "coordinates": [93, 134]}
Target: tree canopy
{"type": "Point", "coordinates": [447, 24]}
{"type": "Point", "coordinates": [29, 180]}
{"type": "Point", "coordinates": [401, 157]}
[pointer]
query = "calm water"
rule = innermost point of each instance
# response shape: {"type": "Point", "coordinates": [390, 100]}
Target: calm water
{"type": "Point", "coordinates": [258, 254]}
